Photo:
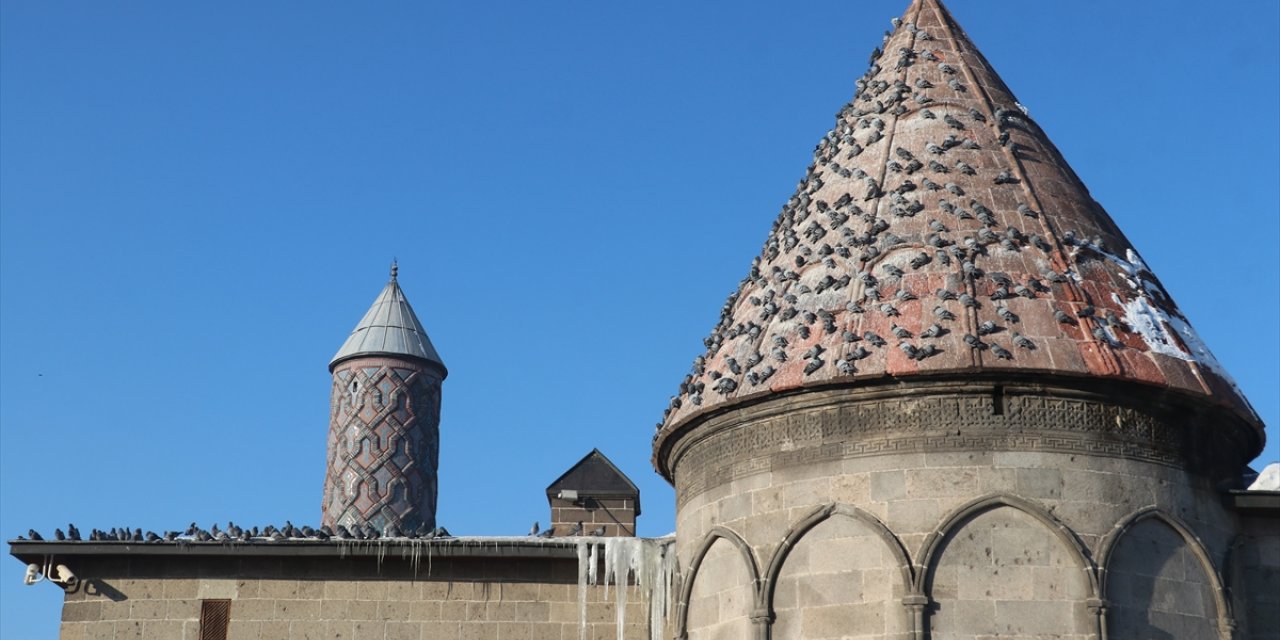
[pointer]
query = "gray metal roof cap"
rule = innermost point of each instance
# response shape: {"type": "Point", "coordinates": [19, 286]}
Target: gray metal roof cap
{"type": "Point", "coordinates": [390, 327]}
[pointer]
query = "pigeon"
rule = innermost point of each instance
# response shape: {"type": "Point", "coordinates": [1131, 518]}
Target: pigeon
{"type": "Point", "coordinates": [441, 532]}
{"type": "Point", "coordinates": [34, 535]}
{"type": "Point", "coordinates": [598, 531]}
{"type": "Point", "coordinates": [342, 533]}
{"type": "Point", "coordinates": [59, 535]}
{"type": "Point", "coordinates": [908, 349]}
{"type": "Point", "coordinates": [72, 532]}
{"type": "Point", "coordinates": [533, 531]}
{"type": "Point", "coordinates": [550, 532]}
{"type": "Point", "coordinates": [576, 530]}
{"type": "Point", "coordinates": [391, 531]}
{"type": "Point", "coordinates": [1001, 352]}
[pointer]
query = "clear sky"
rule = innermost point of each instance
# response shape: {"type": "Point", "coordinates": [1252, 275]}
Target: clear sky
{"type": "Point", "coordinates": [197, 204]}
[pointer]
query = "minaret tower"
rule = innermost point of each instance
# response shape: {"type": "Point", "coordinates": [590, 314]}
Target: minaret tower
{"type": "Point", "coordinates": [384, 421]}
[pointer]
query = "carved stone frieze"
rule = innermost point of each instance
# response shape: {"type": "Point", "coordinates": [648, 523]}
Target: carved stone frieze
{"type": "Point", "coordinates": [836, 424]}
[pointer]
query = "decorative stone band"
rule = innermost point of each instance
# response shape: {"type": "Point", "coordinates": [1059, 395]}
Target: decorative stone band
{"type": "Point", "coordinates": [1053, 415]}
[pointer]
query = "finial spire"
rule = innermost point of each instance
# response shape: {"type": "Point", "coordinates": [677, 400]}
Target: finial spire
{"type": "Point", "coordinates": [395, 268]}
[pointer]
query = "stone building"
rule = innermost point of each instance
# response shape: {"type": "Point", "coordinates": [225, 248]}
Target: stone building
{"type": "Point", "coordinates": [949, 400]}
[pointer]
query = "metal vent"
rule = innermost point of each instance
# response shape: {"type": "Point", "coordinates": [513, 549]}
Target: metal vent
{"type": "Point", "coordinates": [215, 617]}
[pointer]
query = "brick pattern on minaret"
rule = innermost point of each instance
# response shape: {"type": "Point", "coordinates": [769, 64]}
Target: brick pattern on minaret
{"type": "Point", "coordinates": [384, 444]}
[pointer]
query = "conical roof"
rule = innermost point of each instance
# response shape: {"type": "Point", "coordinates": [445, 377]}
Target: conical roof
{"type": "Point", "coordinates": [389, 327]}
{"type": "Point", "coordinates": [939, 232]}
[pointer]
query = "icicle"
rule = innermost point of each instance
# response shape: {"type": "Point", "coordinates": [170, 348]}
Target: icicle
{"type": "Point", "coordinates": [649, 562]}
{"type": "Point", "coordinates": [591, 564]}
{"type": "Point", "coordinates": [582, 589]}
{"type": "Point", "coordinates": [623, 564]}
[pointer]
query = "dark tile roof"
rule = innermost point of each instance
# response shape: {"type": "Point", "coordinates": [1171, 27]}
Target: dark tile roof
{"type": "Point", "coordinates": [939, 231]}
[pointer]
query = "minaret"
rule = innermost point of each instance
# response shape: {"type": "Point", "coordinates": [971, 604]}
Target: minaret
{"type": "Point", "coordinates": [384, 421]}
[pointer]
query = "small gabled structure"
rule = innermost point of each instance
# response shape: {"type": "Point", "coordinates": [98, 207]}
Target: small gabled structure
{"type": "Point", "coordinates": [595, 493]}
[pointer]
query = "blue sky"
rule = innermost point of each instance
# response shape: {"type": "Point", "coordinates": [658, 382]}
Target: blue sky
{"type": "Point", "coordinates": [197, 204]}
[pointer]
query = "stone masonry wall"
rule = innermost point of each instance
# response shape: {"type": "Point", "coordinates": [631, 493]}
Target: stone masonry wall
{"type": "Point", "coordinates": [977, 542]}
{"type": "Point", "coordinates": [1255, 577]}
{"type": "Point", "coordinates": [347, 598]}
{"type": "Point", "coordinates": [616, 515]}
{"type": "Point", "coordinates": [1009, 565]}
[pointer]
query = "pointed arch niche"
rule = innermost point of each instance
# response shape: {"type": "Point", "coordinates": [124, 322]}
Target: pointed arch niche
{"type": "Point", "coordinates": [839, 573]}
{"type": "Point", "coordinates": [719, 599]}
{"type": "Point", "coordinates": [1160, 582]}
{"type": "Point", "coordinates": [1005, 567]}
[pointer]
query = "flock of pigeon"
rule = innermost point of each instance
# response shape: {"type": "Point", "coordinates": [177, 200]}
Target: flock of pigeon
{"type": "Point", "coordinates": [575, 530]}
{"type": "Point", "coordinates": [271, 533]}
{"type": "Point", "coordinates": [864, 228]}
{"type": "Point", "coordinates": [235, 533]}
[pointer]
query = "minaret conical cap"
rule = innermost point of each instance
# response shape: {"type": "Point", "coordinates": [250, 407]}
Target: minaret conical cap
{"type": "Point", "coordinates": [389, 327]}
{"type": "Point", "coordinates": [939, 233]}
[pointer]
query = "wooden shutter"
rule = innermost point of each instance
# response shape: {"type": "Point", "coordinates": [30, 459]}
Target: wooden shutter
{"type": "Point", "coordinates": [215, 617]}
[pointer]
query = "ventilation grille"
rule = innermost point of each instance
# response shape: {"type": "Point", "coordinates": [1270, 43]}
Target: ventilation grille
{"type": "Point", "coordinates": [215, 617]}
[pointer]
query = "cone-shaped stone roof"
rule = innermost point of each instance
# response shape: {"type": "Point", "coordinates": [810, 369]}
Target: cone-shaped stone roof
{"type": "Point", "coordinates": [389, 327]}
{"type": "Point", "coordinates": [939, 231]}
